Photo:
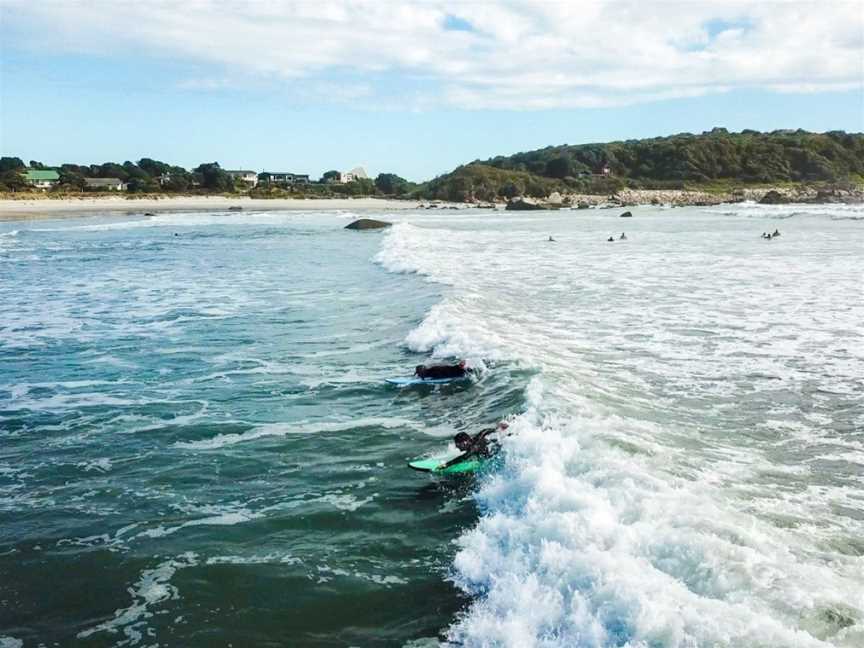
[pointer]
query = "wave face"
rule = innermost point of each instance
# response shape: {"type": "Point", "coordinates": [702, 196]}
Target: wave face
{"type": "Point", "coordinates": [689, 463]}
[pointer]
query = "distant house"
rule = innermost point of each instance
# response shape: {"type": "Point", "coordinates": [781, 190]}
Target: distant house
{"type": "Point", "coordinates": [41, 178]}
{"type": "Point", "coordinates": [105, 184]}
{"type": "Point", "coordinates": [603, 170]}
{"type": "Point", "coordinates": [282, 177]}
{"type": "Point", "coordinates": [357, 173]}
{"type": "Point", "coordinates": [249, 177]}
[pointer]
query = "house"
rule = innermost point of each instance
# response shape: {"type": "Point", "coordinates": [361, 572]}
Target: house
{"type": "Point", "coordinates": [357, 173]}
{"type": "Point", "coordinates": [249, 177]}
{"type": "Point", "coordinates": [41, 178]}
{"type": "Point", "coordinates": [105, 184]}
{"type": "Point", "coordinates": [282, 177]}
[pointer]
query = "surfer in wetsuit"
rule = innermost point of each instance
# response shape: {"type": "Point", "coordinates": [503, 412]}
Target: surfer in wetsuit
{"type": "Point", "coordinates": [476, 446]}
{"type": "Point", "coordinates": [623, 237]}
{"type": "Point", "coordinates": [436, 372]}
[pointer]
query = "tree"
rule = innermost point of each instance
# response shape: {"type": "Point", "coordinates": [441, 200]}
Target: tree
{"type": "Point", "coordinates": [558, 167]}
{"type": "Point", "coordinates": [214, 178]}
{"type": "Point", "coordinates": [391, 184]}
{"type": "Point", "coordinates": [11, 164]}
{"type": "Point", "coordinates": [110, 170]}
{"type": "Point", "coordinates": [153, 168]}
{"type": "Point", "coordinates": [333, 174]}
{"type": "Point", "coordinates": [12, 180]}
{"type": "Point", "coordinates": [179, 179]}
{"type": "Point", "coordinates": [71, 177]}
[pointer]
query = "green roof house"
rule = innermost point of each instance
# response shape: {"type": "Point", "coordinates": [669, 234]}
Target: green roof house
{"type": "Point", "coordinates": [42, 178]}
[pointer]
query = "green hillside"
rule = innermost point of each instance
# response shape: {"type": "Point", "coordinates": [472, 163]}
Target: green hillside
{"type": "Point", "coordinates": [679, 161]}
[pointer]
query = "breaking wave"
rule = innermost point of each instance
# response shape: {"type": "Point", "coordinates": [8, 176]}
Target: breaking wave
{"type": "Point", "coordinates": [658, 489]}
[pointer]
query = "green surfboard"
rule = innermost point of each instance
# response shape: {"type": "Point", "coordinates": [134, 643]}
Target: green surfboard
{"type": "Point", "coordinates": [433, 465]}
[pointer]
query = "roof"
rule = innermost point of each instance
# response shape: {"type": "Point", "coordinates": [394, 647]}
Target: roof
{"type": "Point", "coordinates": [243, 171]}
{"type": "Point", "coordinates": [41, 174]}
{"type": "Point", "coordinates": [95, 182]}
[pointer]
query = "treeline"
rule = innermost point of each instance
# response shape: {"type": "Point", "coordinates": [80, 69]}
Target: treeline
{"type": "Point", "coordinates": [152, 176]}
{"type": "Point", "coordinates": [676, 162]}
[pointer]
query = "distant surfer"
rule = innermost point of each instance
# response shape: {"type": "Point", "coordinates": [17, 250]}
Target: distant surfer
{"type": "Point", "coordinates": [611, 239]}
{"type": "Point", "coordinates": [623, 237]}
{"type": "Point", "coordinates": [478, 445]}
{"type": "Point", "coordinates": [776, 233]}
{"type": "Point", "coordinates": [437, 372]}
{"type": "Point", "coordinates": [551, 240]}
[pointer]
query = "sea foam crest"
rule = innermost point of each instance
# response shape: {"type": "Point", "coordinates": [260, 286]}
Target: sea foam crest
{"type": "Point", "coordinates": [582, 544]}
{"type": "Point", "coordinates": [598, 530]}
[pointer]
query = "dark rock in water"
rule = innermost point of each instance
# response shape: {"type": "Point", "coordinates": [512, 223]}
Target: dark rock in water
{"type": "Point", "coordinates": [583, 205]}
{"type": "Point", "coordinates": [521, 204]}
{"type": "Point", "coordinates": [149, 214]}
{"type": "Point", "coordinates": [367, 224]}
{"type": "Point", "coordinates": [237, 208]}
{"type": "Point", "coordinates": [773, 198]}
{"type": "Point", "coordinates": [626, 214]}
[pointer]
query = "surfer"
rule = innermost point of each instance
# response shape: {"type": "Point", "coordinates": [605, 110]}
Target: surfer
{"type": "Point", "coordinates": [776, 233]}
{"type": "Point", "coordinates": [437, 372]}
{"type": "Point", "coordinates": [611, 239]}
{"type": "Point", "coordinates": [551, 240]}
{"type": "Point", "coordinates": [476, 446]}
{"type": "Point", "coordinates": [623, 237]}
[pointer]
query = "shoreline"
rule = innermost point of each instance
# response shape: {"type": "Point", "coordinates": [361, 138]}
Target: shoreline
{"type": "Point", "coordinates": [46, 208]}
{"type": "Point", "coordinates": [70, 207]}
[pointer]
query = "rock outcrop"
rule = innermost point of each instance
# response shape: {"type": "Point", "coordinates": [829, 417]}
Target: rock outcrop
{"type": "Point", "coordinates": [626, 214]}
{"type": "Point", "coordinates": [773, 198]}
{"type": "Point", "coordinates": [524, 204]}
{"type": "Point", "coordinates": [367, 224]}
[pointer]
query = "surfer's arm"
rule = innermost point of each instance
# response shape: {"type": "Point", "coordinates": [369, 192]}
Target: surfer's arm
{"type": "Point", "coordinates": [455, 460]}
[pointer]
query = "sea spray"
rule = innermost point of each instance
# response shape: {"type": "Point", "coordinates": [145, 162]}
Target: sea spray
{"type": "Point", "coordinates": [622, 519]}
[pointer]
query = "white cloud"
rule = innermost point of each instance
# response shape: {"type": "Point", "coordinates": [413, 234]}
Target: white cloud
{"type": "Point", "coordinates": [519, 55]}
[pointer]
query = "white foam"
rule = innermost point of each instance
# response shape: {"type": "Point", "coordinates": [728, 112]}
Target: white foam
{"type": "Point", "coordinates": [283, 429]}
{"type": "Point", "coordinates": [153, 588]}
{"type": "Point", "coordinates": [227, 518]}
{"type": "Point", "coordinates": [641, 499]}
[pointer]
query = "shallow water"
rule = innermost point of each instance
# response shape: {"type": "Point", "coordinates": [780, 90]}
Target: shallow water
{"type": "Point", "coordinates": [196, 445]}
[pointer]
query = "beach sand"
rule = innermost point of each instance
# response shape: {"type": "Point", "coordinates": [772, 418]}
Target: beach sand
{"type": "Point", "coordinates": [74, 207]}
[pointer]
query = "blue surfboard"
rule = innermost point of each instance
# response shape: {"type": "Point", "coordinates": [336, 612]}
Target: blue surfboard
{"type": "Point", "coordinates": [404, 382]}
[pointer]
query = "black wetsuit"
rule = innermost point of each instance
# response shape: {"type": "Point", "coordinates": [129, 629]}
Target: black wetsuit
{"type": "Point", "coordinates": [436, 372]}
{"type": "Point", "coordinates": [480, 447]}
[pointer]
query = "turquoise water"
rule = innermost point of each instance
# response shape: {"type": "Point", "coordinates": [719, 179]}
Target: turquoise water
{"type": "Point", "coordinates": [197, 447]}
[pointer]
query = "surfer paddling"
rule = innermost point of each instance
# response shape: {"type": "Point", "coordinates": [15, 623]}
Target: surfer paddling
{"type": "Point", "coordinates": [438, 372]}
{"type": "Point", "coordinates": [479, 445]}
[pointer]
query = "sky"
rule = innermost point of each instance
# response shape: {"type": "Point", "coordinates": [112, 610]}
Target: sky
{"type": "Point", "coordinates": [414, 88]}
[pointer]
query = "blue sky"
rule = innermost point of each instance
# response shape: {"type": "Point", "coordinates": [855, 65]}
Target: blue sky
{"type": "Point", "coordinates": [415, 90]}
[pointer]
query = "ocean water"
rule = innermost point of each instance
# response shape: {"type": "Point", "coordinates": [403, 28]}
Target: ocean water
{"type": "Point", "coordinates": [197, 447]}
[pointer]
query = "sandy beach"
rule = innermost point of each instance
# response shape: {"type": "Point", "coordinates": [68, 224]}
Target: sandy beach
{"type": "Point", "coordinates": [68, 207]}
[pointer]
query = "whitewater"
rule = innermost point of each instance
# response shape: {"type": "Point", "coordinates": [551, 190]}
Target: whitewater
{"type": "Point", "coordinates": [195, 431]}
{"type": "Point", "coordinates": [688, 468]}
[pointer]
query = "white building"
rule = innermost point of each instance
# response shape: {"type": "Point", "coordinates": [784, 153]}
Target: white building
{"type": "Point", "coordinates": [106, 184]}
{"type": "Point", "coordinates": [283, 177]}
{"type": "Point", "coordinates": [42, 178]}
{"type": "Point", "coordinates": [357, 173]}
{"type": "Point", "coordinates": [249, 177]}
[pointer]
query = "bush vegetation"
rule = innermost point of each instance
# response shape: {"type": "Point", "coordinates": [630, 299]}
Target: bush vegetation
{"type": "Point", "coordinates": [681, 161]}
